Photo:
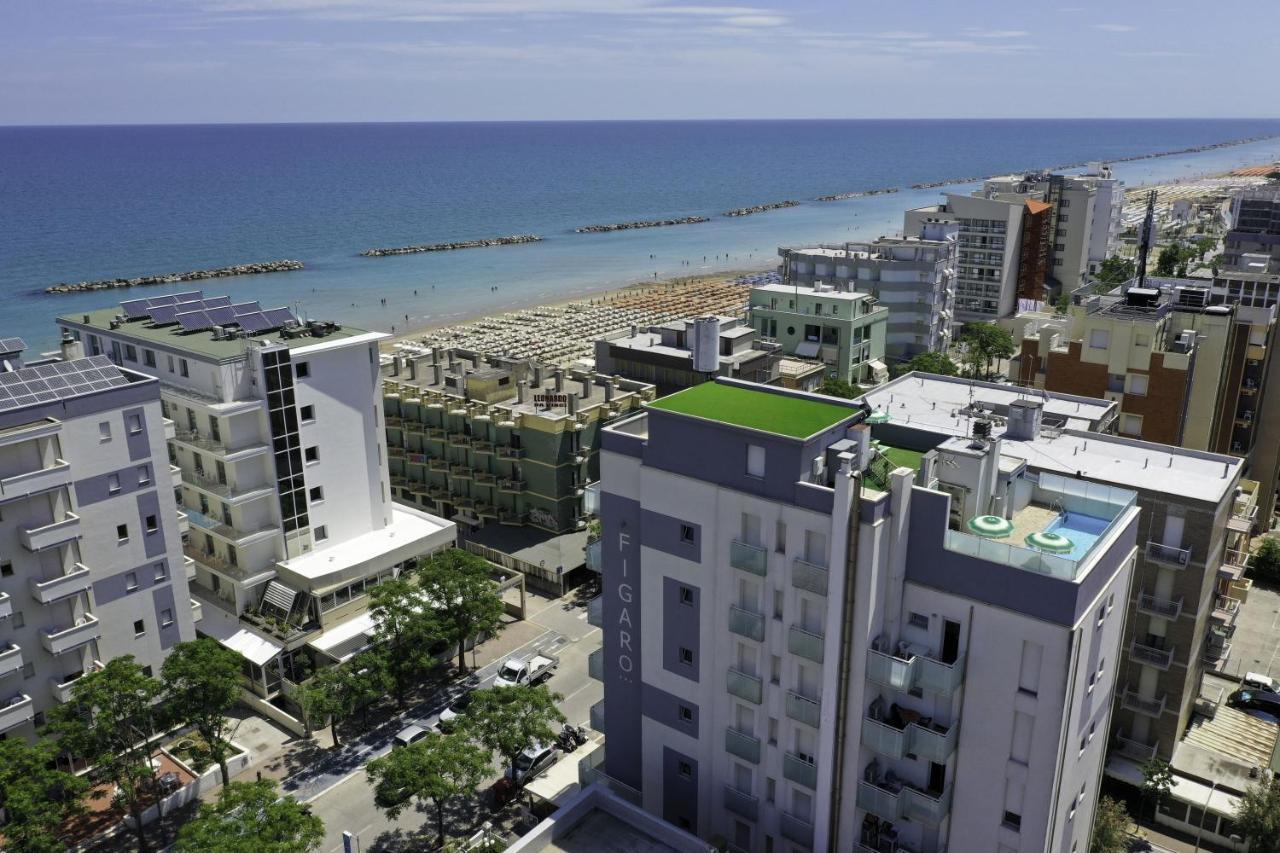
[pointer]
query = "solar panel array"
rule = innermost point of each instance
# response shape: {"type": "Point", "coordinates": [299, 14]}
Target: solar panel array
{"type": "Point", "coordinates": [47, 383]}
{"type": "Point", "coordinates": [12, 345]}
{"type": "Point", "coordinates": [194, 312]}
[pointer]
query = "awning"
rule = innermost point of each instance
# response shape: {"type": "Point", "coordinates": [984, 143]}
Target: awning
{"type": "Point", "coordinates": [342, 641]}
{"type": "Point", "coordinates": [1184, 789]}
{"type": "Point", "coordinates": [807, 349]}
{"type": "Point", "coordinates": [228, 632]}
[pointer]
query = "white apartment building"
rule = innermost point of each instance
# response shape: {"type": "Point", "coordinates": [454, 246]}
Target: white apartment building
{"type": "Point", "coordinates": [913, 277]}
{"type": "Point", "coordinates": [1073, 201]}
{"type": "Point", "coordinates": [91, 566]}
{"type": "Point", "coordinates": [895, 621]}
{"type": "Point", "coordinates": [280, 443]}
{"type": "Point", "coordinates": [1108, 210]}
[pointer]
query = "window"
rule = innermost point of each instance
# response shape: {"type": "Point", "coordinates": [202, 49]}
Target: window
{"type": "Point", "coordinates": [686, 534]}
{"type": "Point", "coordinates": [135, 424]}
{"type": "Point", "coordinates": [130, 352]}
{"type": "Point", "coordinates": [918, 620]}
{"type": "Point", "coordinates": [1131, 424]}
{"type": "Point", "coordinates": [182, 367]}
{"type": "Point", "coordinates": [6, 569]}
{"type": "Point", "coordinates": [144, 475]}
{"type": "Point", "coordinates": [755, 461]}
{"type": "Point", "coordinates": [1138, 384]}
{"type": "Point", "coordinates": [686, 595]}
{"type": "Point", "coordinates": [28, 670]}
{"type": "Point", "coordinates": [146, 671]}
{"type": "Point", "coordinates": [113, 484]}
{"type": "Point", "coordinates": [162, 572]}
{"type": "Point", "coordinates": [1099, 338]}
{"type": "Point", "coordinates": [685, 714]}
{"type": "Point", "coordinates": [685, 769]}
{"type": "Point", "coordinates": [1066, 202]}
{"type": "Point", "coordinates": [311, 454]}
{"type": "Point", "coordinates": [322, 533]}
{"type": "Point", "coordinates": [1013, 821]}
{"type": "Point", "coordinates": [686, 656]}
{"type": "Point", "coordinates": [122, 532]}
{"type": "Point", "coordinates": [302, 369]}
{"type": "Point", "coordinates": [104, 431]}
{"type": "Point", "coordinates": [139, 628]}
{"type": "Point", "coordinates": [317, 493]}
{"type": "Point", "coordinates": [308, 413]}
{"type": "Point", "coordinates": [1062, 217]}
{"type": "Point", "coordinates": [152, 524]}
{"type": "Point", "coordinates": [149, 357]}
{"type": "Point", "coordinates": [170, 363]}
{"type": "Point", "coordinates": [131, 581]}
{"type": "Point", "coordinates": [780, 536]}
{"type": "Point", "coordinates": [1141, 340]}
{"type": "Point", "coordinates": [166, 618]}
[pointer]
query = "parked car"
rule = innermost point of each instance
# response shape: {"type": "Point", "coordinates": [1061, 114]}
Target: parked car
{"type": "Point", "coordinates": [1257, 703]}
{"type": "Point", "coordinates": [1258, 681]}
{"type": "Point", "coordinates": [410, 735]}
{"type": "Point", "coordinates": [456, 708]}
{"type": "Point", "coordinates": [530, 670]}
{"type": "Point", "coordinates": [531, 762]}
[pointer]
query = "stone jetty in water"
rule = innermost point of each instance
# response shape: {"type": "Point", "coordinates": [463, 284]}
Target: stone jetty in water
{"type": "Point", "coordinates": [858, 194]}
{"type": "Point", "coordinates": [176, 277]}
{"type": "Point", "coordinates": [647, 223]}
{"type": "Point", "coordinates": [761, 208]}
{"type": "Point", "coordinates": [513, 240]}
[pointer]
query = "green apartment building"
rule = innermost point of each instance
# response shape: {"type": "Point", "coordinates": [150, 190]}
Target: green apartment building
{"type": "Point", "coordinates": [497, 440]}
{"type": "Point", "coordinates": [842, 329]}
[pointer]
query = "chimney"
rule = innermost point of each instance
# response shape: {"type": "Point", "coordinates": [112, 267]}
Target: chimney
{"type": "Point", "coordinates": [1024, 420]}
{"type": "Point", "coordinates": [537, 376]}
{"type": "Point", "coordinates": [397, 365]}
{"type": "Point", "coordinates": [559, 380]}
{"type": "Point", "coordinates": [449, 354]}
{"type": "Point", "coordinates": [586, 387]}
{"type": "Point", "coordinates": [71, 348]}
{"type": "Point", "coordinates": [520, 386]}
{"type": "Point", "coordinates": [435, 355]}
{"type": "Point", "coordinates": [437, 371]}
{"type": "Point", "coordinates": [608, 390]}
{"type": "Point", "coordinates": [573, 404]}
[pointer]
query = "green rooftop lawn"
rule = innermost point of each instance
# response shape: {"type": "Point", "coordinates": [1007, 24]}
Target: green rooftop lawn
{"type": "Point", "coordinates": [761, 410]}
{"type": "Point", "coordinates": [901, 457]}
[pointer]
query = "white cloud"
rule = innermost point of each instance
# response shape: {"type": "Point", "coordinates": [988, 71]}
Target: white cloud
{"type": "Point", "coordinates": [980, 33]}
{"type": "Point", "coordinates": [756, 21]}
{"type": "Point", "coordinates": [1115, 28]}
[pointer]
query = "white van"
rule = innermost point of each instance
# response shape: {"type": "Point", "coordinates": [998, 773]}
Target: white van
{"type": "Point", "coordinates": [1258, 681]}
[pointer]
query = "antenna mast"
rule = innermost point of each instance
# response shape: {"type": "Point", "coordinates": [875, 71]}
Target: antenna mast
{"type": "Point", "coordinates": [1146, 238]}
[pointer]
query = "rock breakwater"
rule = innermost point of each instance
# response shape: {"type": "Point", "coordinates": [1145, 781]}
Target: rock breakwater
{"type": "Point", "coordinates": [513, 240]}
{"type": "Point", "coordinates": [859, 194]}
{"type": "Point", "coordinates": [761, 208]}
{"type": "Point", "coordinates": [645, 223]}
{"type": "Point", "coordinates": [176, 277]}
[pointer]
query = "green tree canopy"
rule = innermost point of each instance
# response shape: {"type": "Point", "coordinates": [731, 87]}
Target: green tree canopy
{"type": "Point", "coordinates": [460, 586]}
{"type": "Point", "coordinates": [1258, 816]}
{"type": "Point", "coordinates": [1110, 827]}
{"type": "Point", "coordinates": [1157, 782]}
{"type": "Point", "coordinates": [36, 796]}
{"type": "Point", "coordinates": [1265, 564]}
{"type": "Point", "coordinates": [1117, 270]}
{"type": "Point", "coordinates": [252, 817]}
{"type": "Point", "coordinates": [985, 343]}
{"type": "Point", "coordinates": [508, 720]}
{"type": "Point", "coordinates": [833, 386]}
{"type": "Point", "coordinates": [931, 362]}
{"type": "Point", "coordinates": [337, 692]}
{"type": "Point", "coordinates": [405, 630]}
{"type": "Point", "coordinates": [436, 769]}
{"type": "Point", "coordinates": [201, 684]}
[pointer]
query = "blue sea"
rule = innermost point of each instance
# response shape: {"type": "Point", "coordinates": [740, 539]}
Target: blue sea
{"type": "Point", "coordinates": [105, 202]}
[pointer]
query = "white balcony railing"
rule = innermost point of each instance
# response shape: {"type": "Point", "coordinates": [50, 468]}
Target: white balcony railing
{"type": "Point", "coordinates": [50, 535]}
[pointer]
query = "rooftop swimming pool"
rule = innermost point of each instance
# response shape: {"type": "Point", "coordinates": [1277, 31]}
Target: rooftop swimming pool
{"type": "Point", "coordinates": [1082, 531]}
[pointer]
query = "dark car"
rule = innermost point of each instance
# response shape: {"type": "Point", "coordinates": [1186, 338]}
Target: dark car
{"type": "Point", "coordinates": [1257, 703]}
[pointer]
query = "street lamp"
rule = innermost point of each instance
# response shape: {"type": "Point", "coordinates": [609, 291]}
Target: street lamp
{"type": "Point", "coordinates": [1205, 811]}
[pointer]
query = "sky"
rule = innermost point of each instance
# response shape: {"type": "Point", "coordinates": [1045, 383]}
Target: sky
{"type": "Point", "coordinates": [176, 61]}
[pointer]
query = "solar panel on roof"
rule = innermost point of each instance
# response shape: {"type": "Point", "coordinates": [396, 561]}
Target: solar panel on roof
{"type": "Point", "coordinates": [194, 321]}
{"type": "Point", "coordinates": [194, 305]}
{"type": "Point", "coordinates": [246, 307]}
{"type": "Point", "coordinates": [157, 301]}
{"type": "Point", "coordinates": [221, 315]}
{"type": "Point", "coordinates": [162, 315]}
{"type": "Point", "coordinates": [217, 301]}
{"type": "Point", "coordinates": [136, 308]}
{"type": "Point", "coordinates": [189, 296]}
{"type": "Point", "coordinates": [254, 322]}
{"type": "Point", "coordinates": [280, 317]}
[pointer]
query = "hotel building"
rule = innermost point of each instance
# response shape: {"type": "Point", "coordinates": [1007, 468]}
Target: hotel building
{"type": "Point", "coordinates": [898, 621]}
{"type": "Point", "coordinates": [683, 353]}
{"type": "Point", "coordinates": [92, 567]}
{"type": "Point", "coordinates": [844, 330]}
{"type": "Point", "coordinates": [279, 442]}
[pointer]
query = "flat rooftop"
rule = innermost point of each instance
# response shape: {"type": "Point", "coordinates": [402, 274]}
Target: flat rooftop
{"type": "Point", "coordinates": [200, 344]}
{"type": "Point", "coordinates": [948, 405]}
{"type": "Point", "coordinates": [409, 529]}
{"type": "Point", "coordinates": [788, 415]}
{"type": "Point", "coordinates": [789, 289]}
{"type": "Point", "coordinates": [601, 832]}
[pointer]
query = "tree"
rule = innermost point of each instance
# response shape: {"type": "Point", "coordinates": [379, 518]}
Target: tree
{"type": "Point", "coordinates": [833, 386]}
{"type": "Point", "coordinates": [460, 587]}
{"type": "Point", "coordinates": [436, 769]}
{"type": "Point", "coordinates": [201, 684]}
{"type": "Point", "coordinates": [109, 722]}
{"type": "Point", "coordinates": [931, 362]}
{"type": "Point", "coordinates": [984, 343]}
{"type": "Point", "coordinates": [36, 796]}
{"type": "Point", "coordinates": [252, 817]}
{"type": "Point", "coordinates": [1062, 304]}
{"type": "Point", "coordinates": [337, 692]}
{"type": "Point", "coordinates": [1117, 270]}
{"type": "Point", "coordinates": [1265, 565]}
{"type": "Point", "coordinates": [508, 720]}
{"type": "Point", "coordinates": [405, 631]}
{"type": "Point", "coordinates": [1157, 782]}
{"type": "Point", "coordinates": [1110, 827]}
{"type": "Point", "coordinates": [1258, 816]}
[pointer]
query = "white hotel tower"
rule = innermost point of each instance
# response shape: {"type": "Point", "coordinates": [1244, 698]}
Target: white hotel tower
{"type": "Point", "coordinates": [828, 627]}
{"type": "Point", "coordinates": [280, 441]}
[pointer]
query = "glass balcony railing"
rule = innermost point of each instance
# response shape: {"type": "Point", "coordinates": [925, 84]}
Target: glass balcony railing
{"type": "Point", "coordinates": [743, 745]}
{"type": "Point", "coordinates": [926, 806]}
{"type": "Point", "coordinates": [796, 829]}
{"type": "Point", "coordinates": [880, 802]}
{"type": "Point", "coordinates": [918, 671]}
{"type": "Point", "coordinates": [741, 803]}
{"type": "Point", "coordinates": [748, 558]}
{"type": "Point", "coordinates": [925, 741]}
{"type": "Point", "coordinates": [803, 709]}
{"type": "Point", "coordinates": [809, 577]}
{"type": "Point", "coordinates": [595, 665]}
{"type": "Point", "coordinates": [744, 623]}
{"type": "Point", "coordinates": [746, 687]}
{"type": "Point", "coordinates": [884, 739]}
{"type": "Point", "coordinates": [800, 770]}
{"type": "Point", "coordinates": [805, 644]}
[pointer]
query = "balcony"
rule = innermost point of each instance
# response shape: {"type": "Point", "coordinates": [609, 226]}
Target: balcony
{"type": "Point", "coordinates": [1138, 751]}
{"type": "Point", "coordinates": [796, 829]}
{"type": "Point", "coordinates": [50, 535]}
{"type": "Point", "coordinates": [926, 806]}
{"type": "Point", "coordinates": [748, 558]}
{"type": "Point", "coordinates": [512, 486]}
{"type": "Point", "coordinates": [593, 556]}
{"type": "Point", "coordinates": [917, 670]}
{"type": "Point", "coordinates": [933, 742]}
{"type": "Point", "coordinates": [197, 611]}
{"type": "Point", "coordinates": [459, 439]}
{"type": "Point", "coordinates": [6, 605]}
{"type": "Point", "coordinates": [221, 488]}
{"type": "Point", "coordinates": [63, 690]}
{"type": "Point", "coordinates": [809, 576]}
{"type": "Point", "coordinates": [1151, 655]}
{"type": "Point", "coordinates": [800, 770]}
{"type": "Point", "coordinates": [1167, 555]}
{"type": "Point", "coordinates": [1161, 607]}
{"type": "Point", "coordinates": [73, 582]}
{"type": "Point", "coordinates": [742, 745]}
{"type": "Point", "coordinates": [188, 567]}
{"type": "Point", "coordinates": [218, 447]}
{"type": "Point", "coordinates": [741, 803]}
{"type": "Point", "coordinates": [884, 739]}
{"type": "Point", "coordinates": [1225, 608]}
{"type": "Point", "coordinates": [229, 532]}
{"type": "Point", "coordinates": [1146, 707]}
{"type": "Point", "coordinates": [31, 483]}
{"type": "Point", "coordinates": [595, 665]}
{"type": "Point", "coordinates": [746, 687]}
{"type": "Point", "coordinates": [595, 611]}
{"type": "Point", "coordinates": [925, 740]}
{"type": "Point", "coordinates": [744, 623]}
{"type": "Point", "coordinates": [506, 451]}
{"type": "Point", "coordinates": [805, 644]}
{"type": "Point", "coordinates": [597, 716]}
{"type": "Point", "coordinates": [10, 659]}
{"type": "Point", "coordinates": [881, 802]}
{"type": "Point", "coordinates": [56, 641]}
{"type": "Point", "coordinates": [15, 711]}
{"type": "Point", "coordinates": [803, 709]}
